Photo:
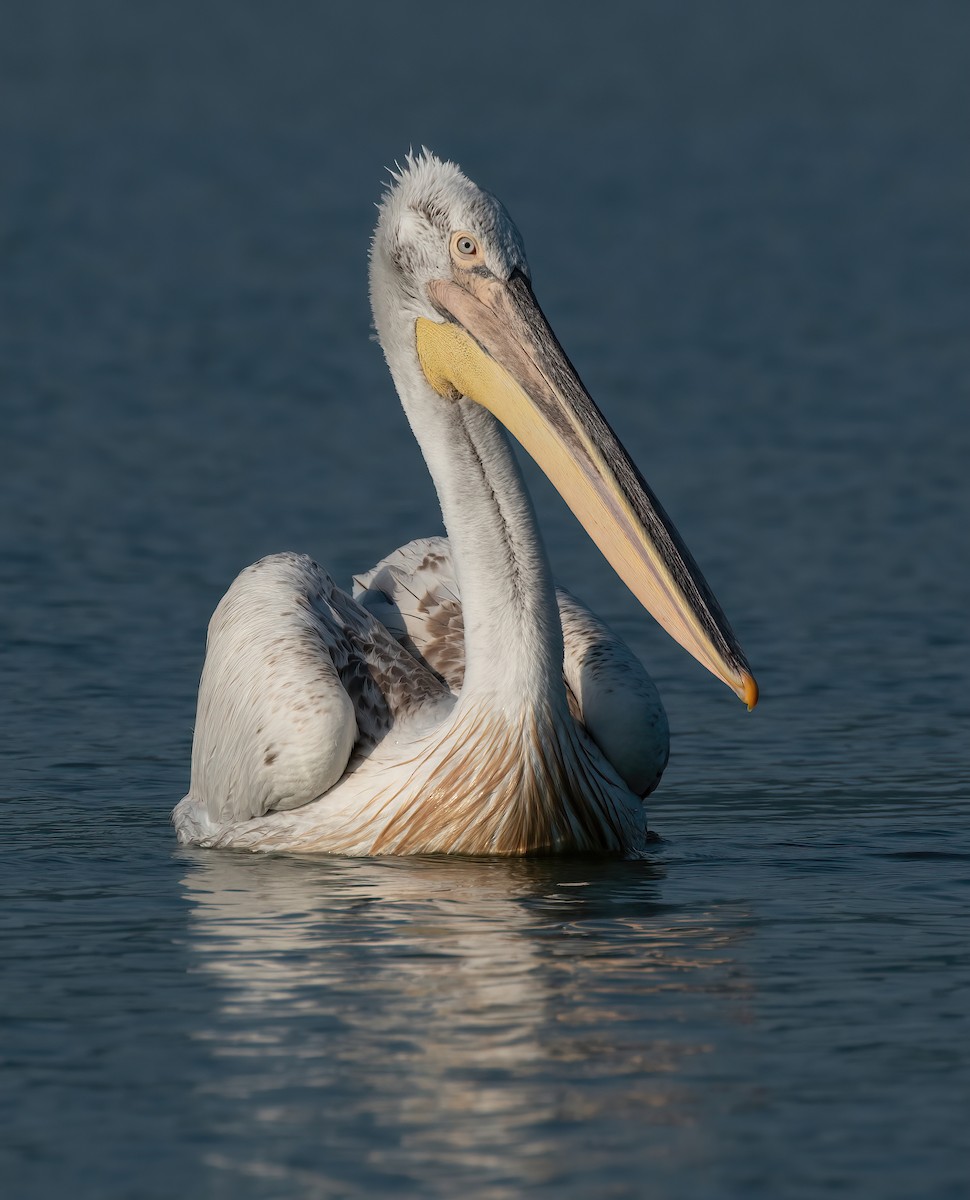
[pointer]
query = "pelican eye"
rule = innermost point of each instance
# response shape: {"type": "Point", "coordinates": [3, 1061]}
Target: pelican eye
{"type": "Point", "coordinates": [464, 246]}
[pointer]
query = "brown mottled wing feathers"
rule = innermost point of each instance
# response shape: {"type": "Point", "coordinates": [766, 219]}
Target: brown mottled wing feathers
{"type": "Point", "coordinates": [382, 681]}
{"type": "Point", "coordinates": [414, 594]}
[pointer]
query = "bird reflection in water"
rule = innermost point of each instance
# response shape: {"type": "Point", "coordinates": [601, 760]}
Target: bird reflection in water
{"type": "Point", "coordinates": [473, 1012]}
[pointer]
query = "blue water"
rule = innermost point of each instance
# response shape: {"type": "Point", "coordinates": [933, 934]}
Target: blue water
{"type": "Point", "coordinates": [748, 225]}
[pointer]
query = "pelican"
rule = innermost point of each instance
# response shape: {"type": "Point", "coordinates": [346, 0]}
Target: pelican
{"type": "Point", "coordinates": [457, 702]}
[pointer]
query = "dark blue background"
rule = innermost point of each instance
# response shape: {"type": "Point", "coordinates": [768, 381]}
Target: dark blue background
{"type": "Point", "coordinates": [748, 225]}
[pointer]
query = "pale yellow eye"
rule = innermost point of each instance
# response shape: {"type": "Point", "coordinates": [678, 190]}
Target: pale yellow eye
{"type": "Point", "coordinates": [464, 247]}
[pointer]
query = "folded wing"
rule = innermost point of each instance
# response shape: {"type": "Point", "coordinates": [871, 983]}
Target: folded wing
{"type": "Point", "coordinates": [297, 677]}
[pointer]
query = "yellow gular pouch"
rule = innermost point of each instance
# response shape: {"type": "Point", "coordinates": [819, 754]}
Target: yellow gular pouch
{"type": "Point", "coordinates": [453, 362]}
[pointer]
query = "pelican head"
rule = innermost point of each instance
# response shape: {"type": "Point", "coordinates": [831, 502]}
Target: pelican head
{"type": "Point", "coordinates": [454, 308]}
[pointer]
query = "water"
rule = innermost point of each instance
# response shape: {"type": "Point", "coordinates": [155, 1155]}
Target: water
{"type": "Point", "coordinates": [748, 226]}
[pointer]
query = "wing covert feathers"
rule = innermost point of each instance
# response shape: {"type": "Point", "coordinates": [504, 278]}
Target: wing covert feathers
{"type": "Point", "coordinates": [296, 675]}
{"type": "Point", "coordinates": [414, 594]}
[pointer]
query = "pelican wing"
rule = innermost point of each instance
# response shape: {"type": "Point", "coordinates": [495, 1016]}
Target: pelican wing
{"type": "Point", "coordinates": [414, 594]}
{"type": "Point", "coordinates": [614, 697]}
{"type": "Point", "coordinates": [297, 675]}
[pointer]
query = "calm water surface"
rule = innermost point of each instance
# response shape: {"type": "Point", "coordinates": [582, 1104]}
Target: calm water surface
{"type": "Point", "coordinates": [749, 230]}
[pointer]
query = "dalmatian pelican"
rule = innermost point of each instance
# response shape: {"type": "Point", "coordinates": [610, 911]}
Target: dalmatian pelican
{"type": "Point", "coordinates": [457, 702]}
